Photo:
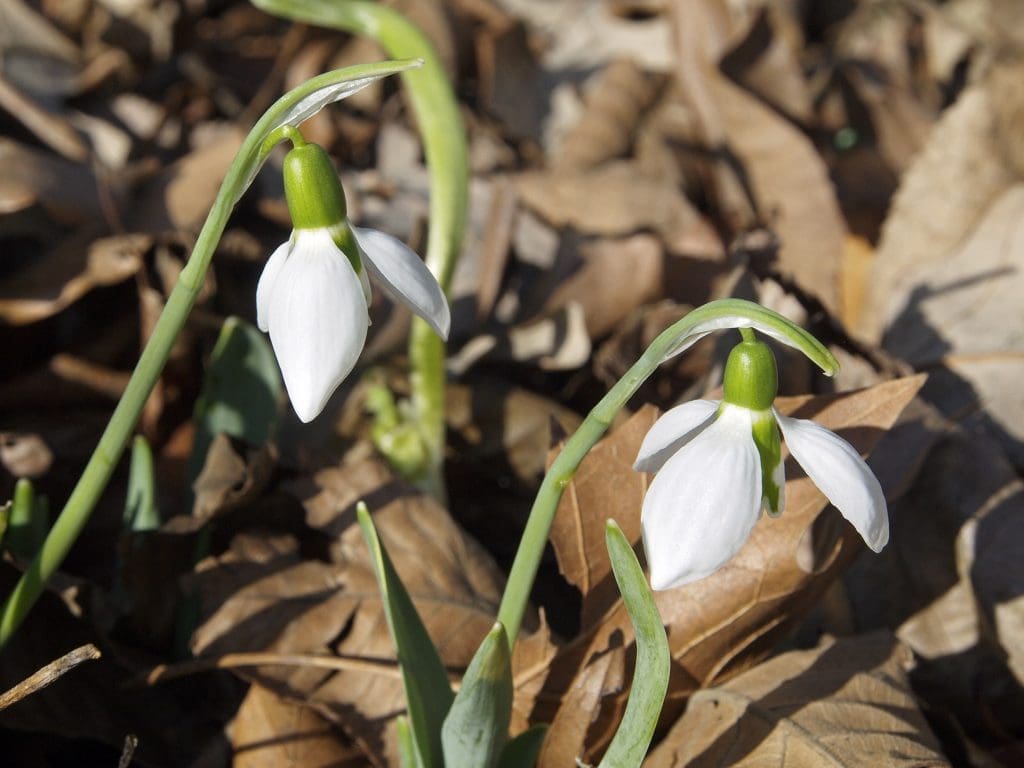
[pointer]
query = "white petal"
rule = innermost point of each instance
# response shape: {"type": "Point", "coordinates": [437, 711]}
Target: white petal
{"type": "Point", "coordinates": [841, 474]}
{"type": "Point", "coordinates": [268, 278]}
{"type": "Point", "coordinates": [672, 431]}
{"type": "Point", "coordinates": [404, 277]}
{"type": "Point", "coordinates": [318, 320]}
{"type": "Point", "coordinates": [703, 503]}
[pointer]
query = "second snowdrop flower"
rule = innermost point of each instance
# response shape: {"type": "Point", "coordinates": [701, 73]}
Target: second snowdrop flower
{"type": "Point", "coordinates": [719, 463]}
{"type": "Point", "coordinates": [313, 296]}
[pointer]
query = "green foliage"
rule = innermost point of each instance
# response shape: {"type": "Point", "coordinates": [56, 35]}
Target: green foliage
{"type": "Point", "coordinates": [241, 392]}
{"type": "Point", "coordinates": [650, 676]}
{"type": "Point", "coordinates": [428, 693]}
{"type": "Point", "coordinates": [140, 509]}
{"type": "Point", "coordinates": [476, 728]}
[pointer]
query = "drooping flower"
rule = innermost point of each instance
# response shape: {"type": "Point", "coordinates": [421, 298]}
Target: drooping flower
{"type": "Point", "coordinates": [719, 464]}
{"type": "Point", "coordinates": [313, 296]}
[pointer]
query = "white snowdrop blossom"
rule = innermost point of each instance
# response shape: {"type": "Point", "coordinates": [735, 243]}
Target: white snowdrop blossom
{"type": "Point", "coordinates": [313, 296]}
{"type": "Point", "coordinates": [719, 464]}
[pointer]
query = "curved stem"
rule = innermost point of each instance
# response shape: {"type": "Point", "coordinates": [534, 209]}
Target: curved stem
{"type": "Point", "coordinates": [444, 142]}
{"type": "Point", "coordinates": [289, 109]}
{"type": "Point", "coordinates": [717, 315]}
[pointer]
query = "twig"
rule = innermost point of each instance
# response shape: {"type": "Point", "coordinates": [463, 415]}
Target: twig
{"type": "Point", "coordinates": [48, 674]}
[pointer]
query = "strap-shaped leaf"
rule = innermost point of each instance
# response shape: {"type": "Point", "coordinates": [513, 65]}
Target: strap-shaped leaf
{"type": "Point", "coordinates": [140, 509]}
{"type": "Point", "coordinates": [241, 391]}
{"type": "Point", "coordinates": [428, 693]}
{"type": "Point", "coordinates": [476, 728]}
{"type": "Point", "coordinates": [650, 676]}
{"type": "Point", "coordinates": [522, 751]}
{"type": "Point", "coordinates": [408, 755]}
{"type": "Point", "coordinates": [29, 517]}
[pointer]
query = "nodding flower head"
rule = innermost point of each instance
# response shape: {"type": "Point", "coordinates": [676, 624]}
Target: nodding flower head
{"type": "Point", "coordinates": [313, 295]}
{"type": "Point", "coordinates": [719, 464]}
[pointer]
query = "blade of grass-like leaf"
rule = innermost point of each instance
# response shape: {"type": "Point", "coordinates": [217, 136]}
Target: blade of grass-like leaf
{"type": "Point", "coordinates": [241, 391]}
{"type": "Point", "coordinates": [476, 728]}
{"type": "Point", "coordinates": [427, 691]}
{"type": "Point", "coordinates": [522, 751]}
{"type": "Point", "coordinates": [650, 676]}
{"type": "Point", "coordinates": [28, 520]}
{"type": "Point", "coordinates": [140, 510]}
{"type": "Point", "coordinates": [408, 756]}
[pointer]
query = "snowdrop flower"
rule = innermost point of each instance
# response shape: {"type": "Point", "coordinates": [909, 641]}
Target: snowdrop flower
{"type": "Point", "coordinates": [313, 295]}
{"type": "Point", "coordinates": [719, 463]}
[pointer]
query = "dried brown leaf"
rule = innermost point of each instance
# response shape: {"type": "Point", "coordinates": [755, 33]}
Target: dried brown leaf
{"type": "Point", "coordinates": [847, 702]}
{"type": "Point", "coordinates": [947, 265]}
{"type": "Point", "coordinates": [605, 487]}
{"type": "Point", "coordinates": [67, 273]}
{"type": "Point", "coordinates": [269, 731]}
{"type": "Point", "coordinates": [614, 199]}
{"type": "Point", "coordinates": [262, 595]}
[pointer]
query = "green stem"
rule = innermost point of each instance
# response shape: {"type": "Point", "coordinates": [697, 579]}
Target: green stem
{"type": "Point", "coordinates": [286, 110]}
{"type": "Point", "coordinates": [444, 142]}
{"type": "Point", "coordinates": [718, 315]}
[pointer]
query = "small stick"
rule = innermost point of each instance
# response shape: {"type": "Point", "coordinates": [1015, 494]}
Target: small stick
{"type": "Point", "coordinates": [48, 674]}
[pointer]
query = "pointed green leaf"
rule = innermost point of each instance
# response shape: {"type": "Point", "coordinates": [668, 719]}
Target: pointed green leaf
{"type": "Point", "coordinates": [408, 755]}
{"type": "Point", "coordinates": [241, 391]}
{"type": "Point", "coordinates": [523, 750]}
{"type": "Point", "coordinates": [427, 690]}
{"type": "Point", "coordinates": [5, 518]}
{"type": "Point", "coordinates": [476, 728]}
{"type": "Point", "coordinates": [28, 521]}
{"type": "Point", "coordinates": [650, 677]}
{"type": "Point", "coordinates": [140, 509]}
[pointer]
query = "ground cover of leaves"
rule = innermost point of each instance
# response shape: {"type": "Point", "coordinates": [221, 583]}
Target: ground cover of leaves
{"type": "Point", "coordinates": [857, 166]}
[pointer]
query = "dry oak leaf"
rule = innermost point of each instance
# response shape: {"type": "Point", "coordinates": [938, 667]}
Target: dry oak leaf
{"type": "Point", "coordinates": [729, 621]}
{"type": "Point", "coordinates": [271, 732]}
{"type": "Point", "coordinates": [845, 703]}
{"type": "Point", "coordinates": [263, 595]}
{"type": "Point", "coordinates": [947, 275]}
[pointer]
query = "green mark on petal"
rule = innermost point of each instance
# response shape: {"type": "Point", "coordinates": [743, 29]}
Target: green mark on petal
{"type": "Point", "coordinates": [769, 447]}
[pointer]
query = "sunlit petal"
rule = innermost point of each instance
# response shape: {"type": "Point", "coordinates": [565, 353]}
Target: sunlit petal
{"type": "Point", "coordinates": [318, 321]}
{"type": "Point", "coordinates": [404, 277]}
{"type": "Point", "coordinates": [672, 431]}
{"type": "Point", "coordinates": [841, 474]}
{"type": "Point", "coordinates": [268, 278]}
{"type": "Point", "coordinates": [703, 503]}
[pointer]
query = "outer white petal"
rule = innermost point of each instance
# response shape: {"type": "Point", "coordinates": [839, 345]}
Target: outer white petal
{"type": "Point", "coordinates": [841, 474]}
{"type": "Point", "coordinates": [672, 431]}
{"type": "Point", "coordinates": [318, 320]}
{"type": "Point", "coordinates": [703, 503]}
{"type": "Point", "coordinates": [404, 277]}
{"type": "Point", "coordinates": [268, 278]}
